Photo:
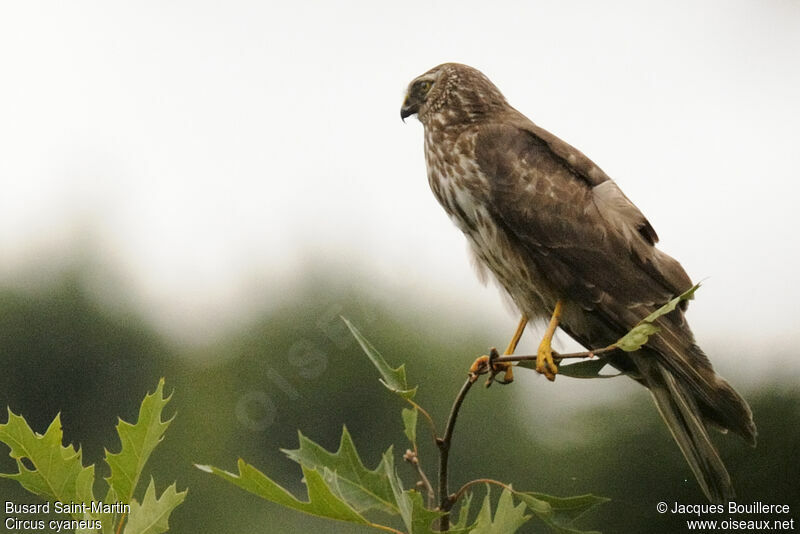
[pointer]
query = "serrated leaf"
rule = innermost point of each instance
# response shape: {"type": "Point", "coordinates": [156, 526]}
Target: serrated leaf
{"type": "Point", "coordinates": [559, 512]}
{"type": "Point", "coordinates": [152, 516]}
{"type": "Point", "coordinates": [110, 522]}
{"type": "Point", "coordinates": [362, 488]}
{"type": "Point", "coordinates": [58, 473]}
{"type": "Point", "coordinates": [463, 513]}
{"type": "Point", "coordinates": [393, 379]}
{"type": "Point", "coordinates": [322, 501]}
{"type": "Point", "coordinates": [417, 518]}
{"type": "Point", "coordinates": [586, 369]}
{"type": "Point", "coordinates": [672, 304]}
{"type": "Point", "coordinates": [138, 441]}
{"type": "Point", "coordinates": [637, 337]}
{"type": "Point", "coordinates": [410, 424]}
{"type": "Point", "coordinates": [507, 519]}
{"type": "Point", "coordinates": [422, 519]}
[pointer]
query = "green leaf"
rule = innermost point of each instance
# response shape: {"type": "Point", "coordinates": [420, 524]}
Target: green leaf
{"type": "Point", "coordinates": [393, 379]}
{"type": "Point", "coordinates": [361, 488]}
{"type": "Point", "coordinates": [463, 513]}
{"type": "Point", "coordinates": [422, 519]}
{"type": "Point", "coordinates": [637, 337]}
{"type": "Point", "coordinates": [586, 369]}
{"type": "Point", "coordinates": [645, 328]}
{"type": "Point", "coordinates": [507, 517]}
{"type": "Point", "coordinates": [138, 441]}
{"type": "Point", "coordinates": [559, 512]}
{"type": "Point", "coordinates": [110, 522]}
{"type": "Point", "coordinates": [58, 473]}
{"type": "Point", "coordinates": [322, 500]}
{"type": "Point", "coordinates": [417, 518]}
{"type": "Point", "coordinates": [410, 424]}
{"type": "Point", "coordinates": [152, 516]}
{"type": "Point", "coordinates": [672, 304]}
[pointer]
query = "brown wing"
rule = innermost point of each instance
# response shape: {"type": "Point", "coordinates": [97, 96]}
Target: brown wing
{"type": "Point", "coordinates": [597, 250]}
{"type": "Point", "coordinates": [569, 216]}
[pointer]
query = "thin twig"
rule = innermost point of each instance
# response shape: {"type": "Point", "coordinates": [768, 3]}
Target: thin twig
{"type": "Point", "coordinates": [446, 501]}
{"type": "Point", "coordinates": [413, 458]}
{"type": "Point", "coordinates": [444, 454]}
{"type": "Point", "coordinates": [557, 356]}
{"type": "Point", "coordinates": [427, 484]}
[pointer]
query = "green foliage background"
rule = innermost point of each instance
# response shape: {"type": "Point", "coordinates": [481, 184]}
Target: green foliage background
{"type": "Point", "coordinates": [63, 349]}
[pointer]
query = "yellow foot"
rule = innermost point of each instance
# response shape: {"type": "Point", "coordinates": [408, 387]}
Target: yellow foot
{"type": "Point", "coordinates": [544, 356]}
{"type": "Point", "coordinates": [544, 361]}
{"type": "Point", "coordinates": [483, 365]}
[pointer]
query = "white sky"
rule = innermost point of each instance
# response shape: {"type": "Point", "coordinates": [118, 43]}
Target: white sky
{"type": "Point", "coordinates": [208, 148]}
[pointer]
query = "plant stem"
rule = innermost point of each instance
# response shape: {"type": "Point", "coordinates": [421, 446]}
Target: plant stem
{"type": "Point", "coordinates": [425, 482]}
{"type": "Point", "coordinates": [445, 503]}
{"type": "Point", "coordinates": [426, 415]}
{"type": "Point", "coordinates": [121, 521]}
{"type": "Point", "coordinates": [457, 495]}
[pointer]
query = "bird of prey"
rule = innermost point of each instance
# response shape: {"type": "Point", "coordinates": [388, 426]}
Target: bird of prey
{"type": "Point", "coordinates": [565, 243]}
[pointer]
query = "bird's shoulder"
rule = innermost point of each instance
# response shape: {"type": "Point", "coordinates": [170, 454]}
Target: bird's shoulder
{"type": "Point", "coordinates": [532, 167]}
{"type": "Point", "coordinates": [558, 204]}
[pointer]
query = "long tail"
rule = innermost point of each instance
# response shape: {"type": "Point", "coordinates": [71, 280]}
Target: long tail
{"type": "Point", "coordinates": [690, 396]}
{"type": "Point", "coordinates": [676, 403]}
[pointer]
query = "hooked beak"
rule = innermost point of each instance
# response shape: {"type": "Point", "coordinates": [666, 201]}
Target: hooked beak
{"type": "Point", "coordinates": [410, 107]}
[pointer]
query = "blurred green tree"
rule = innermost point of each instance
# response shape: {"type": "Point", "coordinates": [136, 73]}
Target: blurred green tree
{"type": "Point", "coordinates": [245, 395]}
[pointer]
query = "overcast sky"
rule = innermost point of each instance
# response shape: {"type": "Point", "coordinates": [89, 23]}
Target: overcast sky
{"type": "Point", "coordinates": [209, 147]}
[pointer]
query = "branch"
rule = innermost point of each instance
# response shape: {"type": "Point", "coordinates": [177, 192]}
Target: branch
{"type": "Point", "coordinates": [557, 356]}
{"type": "Point", "coordinates": [445, 502]}
{"type": "Point", "coordinates": [412, 458]}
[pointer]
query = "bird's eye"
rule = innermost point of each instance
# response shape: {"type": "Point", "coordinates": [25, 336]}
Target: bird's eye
{"type": "Point", "coordinates": [423, 87]}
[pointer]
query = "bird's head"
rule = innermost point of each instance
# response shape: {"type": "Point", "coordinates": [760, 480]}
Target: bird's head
{"type": "Point", "coordinates": [449, 93]}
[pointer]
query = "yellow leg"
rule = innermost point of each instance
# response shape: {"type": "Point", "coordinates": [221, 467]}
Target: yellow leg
{"type": "Point", "coordinates": [508, 375]}
{"type": "Point", "coordinates": [544, 356]}
{"type": "Point", "coordinates": [512, 345]}
{"type": "Point", "coordinates": [482, 363]}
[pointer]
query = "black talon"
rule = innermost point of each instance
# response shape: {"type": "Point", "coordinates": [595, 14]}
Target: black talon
{"type": "Point", "coordinates": [493, 355]}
